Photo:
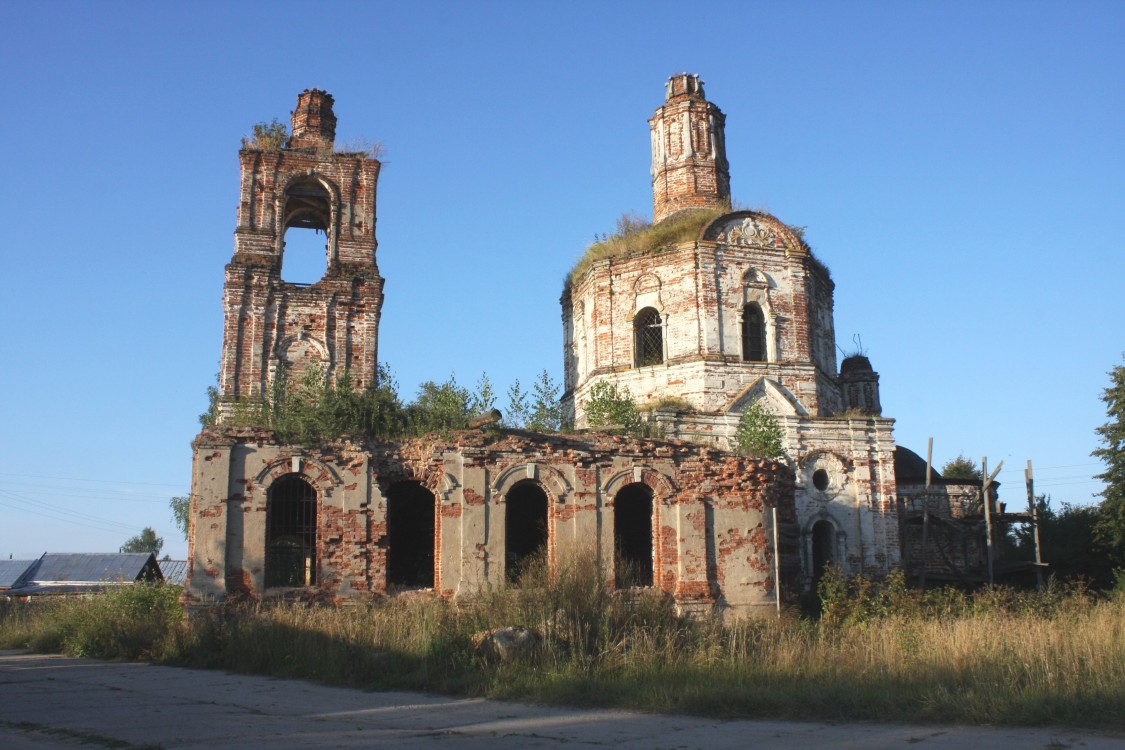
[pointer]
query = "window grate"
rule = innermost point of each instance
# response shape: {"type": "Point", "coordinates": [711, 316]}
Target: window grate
{"type": "Point", "coordinates": [291, 533]}
{"type": "Point", "coordinates": [753, 334]}
{"type": "Point", "coordinates": [648, 338]}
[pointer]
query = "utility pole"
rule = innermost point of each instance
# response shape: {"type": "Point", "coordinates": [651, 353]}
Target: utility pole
{"type": "Point", "coordinates": [926, 514]}
{"type": "Point", "coordinates": [1033, 509]}
{"type": "Point", "coordinates": [986, 482]}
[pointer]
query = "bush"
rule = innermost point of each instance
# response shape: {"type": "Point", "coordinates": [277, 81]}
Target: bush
{"type": "Point", "coordinates": [758, 433]}
{"type": "Point", "coordinates": [612, 408]}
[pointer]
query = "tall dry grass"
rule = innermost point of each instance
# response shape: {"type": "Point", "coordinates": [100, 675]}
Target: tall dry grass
{"type": "Point", "coordinates": [892, 655]}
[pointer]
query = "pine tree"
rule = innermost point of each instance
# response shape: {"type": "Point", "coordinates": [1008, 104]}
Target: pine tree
{"type": "Point", "coordinates": [516, 414]}
{"type": "Point", "coordinates": [546, 411]}
{"type": "Point", "coordinates": [1111, 524]}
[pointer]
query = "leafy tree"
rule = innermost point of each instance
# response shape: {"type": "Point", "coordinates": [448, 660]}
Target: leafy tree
{"type": "Point", "coordinates": [1111, 524]}
{"type": "Point", "coordinates": [181, 513]}
{"type": "Point", "coordinates": [1067, 542]}
{"type": "Point", "coordinates": [439, 408]}
{"type": "Point", "coordinates": [146, 541]}
{"type": "Point", "coordinates": [609, 406]}
{"type": "Point", "coordinates": [758, 433]}
{"type": "Point", "coordinates": [517, 414]}
{"type": "Point", "coordinates": [961, 468]}
{"type": "Point", "coordinates": [483, 398]}
{"type": "Point", "coordinates": [546, 411]}
{"type": "Point", "coordinates": [211, 416]}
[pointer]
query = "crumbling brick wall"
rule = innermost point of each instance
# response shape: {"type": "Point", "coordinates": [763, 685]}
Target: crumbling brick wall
{"type": "Point", "coordinates": [712, 532]}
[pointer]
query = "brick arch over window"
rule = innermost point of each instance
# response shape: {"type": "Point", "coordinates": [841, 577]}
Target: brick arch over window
{"type": "Point", "coordinates": [648, 338]}
{"type": "Point", "coordinates": [552, 481]}
{"type": "Point", "coordinates": [320, 475]}
{"type": "Point", "coordinates": [663, 489]}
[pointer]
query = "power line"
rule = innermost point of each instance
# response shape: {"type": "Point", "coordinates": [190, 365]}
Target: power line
{"type": "Point", "coordinates": [87, 479]}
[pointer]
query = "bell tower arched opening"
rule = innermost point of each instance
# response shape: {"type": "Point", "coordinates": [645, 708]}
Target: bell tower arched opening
{"type": "Point", "coordinates": [306, 228]}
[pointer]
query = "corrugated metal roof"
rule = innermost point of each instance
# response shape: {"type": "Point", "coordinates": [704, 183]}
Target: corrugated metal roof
{"type": "Point", "coordinates": [90, 567]}
{"type": "Point", "coordinates": [174, 571]}
{"type": "Point", "coordinates": [11, 570]}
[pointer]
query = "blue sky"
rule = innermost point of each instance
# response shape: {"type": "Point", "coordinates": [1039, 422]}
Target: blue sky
{"type": "Point", "coordinates": [959, 166]}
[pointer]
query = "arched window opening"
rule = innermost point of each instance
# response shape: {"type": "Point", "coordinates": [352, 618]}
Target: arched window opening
{"type": "Point", "coordinates": [525, 528]}
{"type": "Point", "coordinates": [820, 479]}
{"type": "Point", "coordinates": [307, 221]}
{"type": "Point", "coordinates": [823, 549]}
{"type": "Point", "coordinates": [648, 338]}
{"type": "Point", "coordinates": [753, 334]}
{"type": "Point", "coordinates": [411, 510]}
{"type": "Point", "coordinates": [632, 536]}
{"type": "Point", "coordinates": [291, 533]}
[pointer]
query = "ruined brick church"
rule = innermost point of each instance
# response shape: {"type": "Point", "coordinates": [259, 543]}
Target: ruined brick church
{"type": "Point", "coordinates": [740, 313]}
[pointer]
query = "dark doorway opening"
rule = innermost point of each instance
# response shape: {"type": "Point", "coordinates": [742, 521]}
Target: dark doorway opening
{"type": "Point", "coordinates": [290, 533]}
{"type": "Point", "coordinates": [525, 528]}
{"type": "Point", "coordinates": [632, 536]}
{"type": "Point", "coordinates": [410, 535]}
{"type": "Point", "coordinates": [823, 549]}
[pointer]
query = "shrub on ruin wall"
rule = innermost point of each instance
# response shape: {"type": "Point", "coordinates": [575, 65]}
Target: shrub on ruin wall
{"type": "Point", "coordinates": [613, 408]}
{"type": "Point", "coordinates": [758, 434]}
{"type": "Point", "coordinates": [267, 136]}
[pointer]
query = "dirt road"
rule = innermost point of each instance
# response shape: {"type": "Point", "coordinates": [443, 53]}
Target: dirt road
{"type": "Point", "coordinates": [59, 702]}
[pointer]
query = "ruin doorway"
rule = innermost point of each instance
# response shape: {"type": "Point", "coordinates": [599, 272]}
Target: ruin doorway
{"type": "Point", "coordinates": [823, 550]}
{"type": "Point", "coordinates": [632, 536]}
{"type": "Point", "coordinates": [525, 528]}
{"type": "Point", "coordinates": [290, 533]}
{"type": "Point", "coordinates": [411, 509]}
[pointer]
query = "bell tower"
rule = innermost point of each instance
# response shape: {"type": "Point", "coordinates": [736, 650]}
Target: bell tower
{"type": "Point", "coordinates": [689, 155]}
{"type": "Point", "coordinates": [273, 327]}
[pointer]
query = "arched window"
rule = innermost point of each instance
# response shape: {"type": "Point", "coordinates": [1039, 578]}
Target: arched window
{"type": "Point", "coordinates": [291, 533]}
{"type": "Point", "coordinates": [753, 334]}
{"type": "Point", "coordinates": [648, 338]}
{"type": "Point", "coordinates": [632, 535]}
{"type": "Point", "coordinates": [307, 220]}
{"type": "Point", "coordinates": [410, 535]}
{"type": "Point", "coordinates": [525, 528]}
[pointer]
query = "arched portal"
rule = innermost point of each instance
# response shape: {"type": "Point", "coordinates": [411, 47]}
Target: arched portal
{"type": "Point", "coordinates": [823, 549]}
{"type": "Point", "coordinates": [632, 535]}
{"type": "Point", "coordinates": [525, 528]}
{"type": "Point", "coordinates": [411, 509]}
{"type": "Point", "coordinates": [290, 533]}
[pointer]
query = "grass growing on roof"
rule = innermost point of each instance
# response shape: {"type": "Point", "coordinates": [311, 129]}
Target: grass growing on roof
{"type": "Point", "coordinates": [636, 235]}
